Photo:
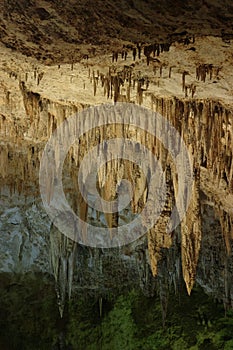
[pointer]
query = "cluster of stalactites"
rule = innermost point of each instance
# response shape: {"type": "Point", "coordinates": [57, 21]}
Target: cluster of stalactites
{"type": "Point", "coordinates": [205, 126]}
{"type": "Point", "coordinates": [118, 85]}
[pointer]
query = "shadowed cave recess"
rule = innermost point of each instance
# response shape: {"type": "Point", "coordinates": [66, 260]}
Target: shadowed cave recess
{"type": "Point", "coordinates": [163, 290]}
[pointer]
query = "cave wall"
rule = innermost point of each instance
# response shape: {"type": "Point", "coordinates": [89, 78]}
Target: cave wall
{"type": "Point", "coordinates": [28, 119]}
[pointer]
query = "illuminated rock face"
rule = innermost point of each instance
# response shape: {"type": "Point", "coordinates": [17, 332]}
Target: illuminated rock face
{"type": "Point", "coordinates": [28, 118]}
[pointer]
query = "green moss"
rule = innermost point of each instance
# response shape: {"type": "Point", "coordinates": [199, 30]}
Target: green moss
{"type": "Point", "coordinates": [30, 320]}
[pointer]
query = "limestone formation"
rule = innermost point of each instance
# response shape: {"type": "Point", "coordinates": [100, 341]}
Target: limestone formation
{"type": "Point", "coordinates": [30, 114]}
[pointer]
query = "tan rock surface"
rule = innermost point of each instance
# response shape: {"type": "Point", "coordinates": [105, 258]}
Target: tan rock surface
{"type": "Point", "coordinates": [35, 99]}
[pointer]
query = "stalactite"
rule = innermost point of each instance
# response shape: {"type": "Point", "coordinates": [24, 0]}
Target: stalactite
{"type": "Point", "coordinates": [139, 47]}
{"type": "Point", "coordinates": [203, 69]}
{"type": "Point", "coordinates": [116, 88]}
{"type": "Point", "coordinates": [139, 93]}
{"type": "Point", "coordinates": [158, 237]}
{"type": "Point", "coordinates": [191, 238]}
{"type": "Point", "coordinates": [170, 72]}
{"type": "Point", "coordinates": [95, 86]}
{"type": "Point", "coordinates": [128, 93]}
{"type": "Point", "coordinates": [183, 80]}
{"type": "Point", "coordinates": [161, 71]}
{"type": "Point", "coordinates": [63, 255]}
{"type": "Point", "coordinates": [134, 53]}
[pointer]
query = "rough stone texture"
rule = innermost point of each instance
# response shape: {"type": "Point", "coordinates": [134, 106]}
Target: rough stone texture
{"type": "Point", "coordinates": [55, 31]}
{"type": "Point", "coordinates": [35, 99]}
